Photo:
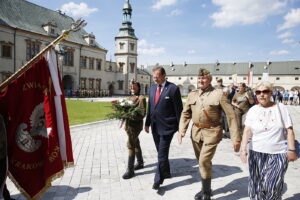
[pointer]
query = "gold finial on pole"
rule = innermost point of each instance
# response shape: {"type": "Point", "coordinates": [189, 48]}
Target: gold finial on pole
{"type": "Point", "coordinates": [75, 26]}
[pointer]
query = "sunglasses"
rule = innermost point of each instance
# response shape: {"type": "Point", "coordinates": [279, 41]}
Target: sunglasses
{"type": "Point", "coordinates": [258, 92]}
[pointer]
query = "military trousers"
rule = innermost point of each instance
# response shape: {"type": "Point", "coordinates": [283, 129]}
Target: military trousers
{"type": "Point", "coordinates": [133, 143]}
{"type": "Point", "coordinates": [205, 142]}
{"type": "Point", "coordinates": [240, 117]}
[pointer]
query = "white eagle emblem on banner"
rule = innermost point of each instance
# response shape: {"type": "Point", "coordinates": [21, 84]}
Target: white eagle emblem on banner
{"type": "Point", "coordinates": [26, 139]}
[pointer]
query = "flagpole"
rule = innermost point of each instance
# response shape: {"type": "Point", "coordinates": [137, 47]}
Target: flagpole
{"type": "Point", "coordinates": [65, 33]}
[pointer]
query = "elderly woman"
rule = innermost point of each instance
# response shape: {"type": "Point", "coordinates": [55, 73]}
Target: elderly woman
{"type": "Point", "coordinates": [271, 147]}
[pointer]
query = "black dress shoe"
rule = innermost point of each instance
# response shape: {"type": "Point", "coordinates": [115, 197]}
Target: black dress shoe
{"type": "Point", "coordinates": [155, 186]}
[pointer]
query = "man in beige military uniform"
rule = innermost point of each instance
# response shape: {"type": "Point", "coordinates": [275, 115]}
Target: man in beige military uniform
{"type": "Point", "coordinates": [204, 106]}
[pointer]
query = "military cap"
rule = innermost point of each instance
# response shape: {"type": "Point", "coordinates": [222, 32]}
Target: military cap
{"type": "Point", "coordinates": [203, 72]}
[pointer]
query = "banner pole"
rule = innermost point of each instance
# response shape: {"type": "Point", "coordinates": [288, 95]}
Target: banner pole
{"type": "Point", "coordinates": [65, 33]}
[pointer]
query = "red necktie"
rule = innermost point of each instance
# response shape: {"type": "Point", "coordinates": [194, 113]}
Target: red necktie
{"type": "Point", "coordinates": [157, 94]}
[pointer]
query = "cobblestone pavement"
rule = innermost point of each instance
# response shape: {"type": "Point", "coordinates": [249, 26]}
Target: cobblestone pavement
{"type": "Point", "coordinates": [100, 160]}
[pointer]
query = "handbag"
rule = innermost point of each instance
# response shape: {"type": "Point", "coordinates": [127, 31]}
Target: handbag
{"type": "Point", "coordinates": [297, 144]}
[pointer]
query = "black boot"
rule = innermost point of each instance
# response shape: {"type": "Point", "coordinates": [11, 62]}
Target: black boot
{"type": "Point", "coordinates": [140, 161]}
{"type": "Point", "coordinates": [205, 193]}
{"type": "Point", "coordinates": [130, 168]}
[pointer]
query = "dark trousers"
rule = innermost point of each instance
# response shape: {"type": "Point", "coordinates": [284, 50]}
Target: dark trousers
{"type": "Point", "coordinates": [162, 144]}
{"type": "Point", "coordinates": [6, 193]}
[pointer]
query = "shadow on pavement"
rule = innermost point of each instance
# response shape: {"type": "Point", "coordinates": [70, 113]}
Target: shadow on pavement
{"type": "Point", "coordinates": [294, 197]}
{"type": "Point", "coordinates": [224, 170]}
{"type": "Point", "coordinates": [64, 191]}
{"type": "Point", "coordinates": [237, 187]}
{"type": "Point", "coordinates": [189, 167]}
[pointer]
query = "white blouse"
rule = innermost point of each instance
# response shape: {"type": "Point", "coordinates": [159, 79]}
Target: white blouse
{"type": "Point", "coordinates": [268, 134]}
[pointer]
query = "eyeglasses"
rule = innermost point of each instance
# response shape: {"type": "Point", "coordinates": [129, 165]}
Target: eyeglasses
{"type": "Point", "coordinates": [258, 92]}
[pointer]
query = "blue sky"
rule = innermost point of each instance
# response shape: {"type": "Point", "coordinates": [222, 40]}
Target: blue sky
{"type": "Point", "coordinates": [195, 31]}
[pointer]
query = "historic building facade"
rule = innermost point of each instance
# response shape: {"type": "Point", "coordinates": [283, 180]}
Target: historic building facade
{"type": "Point", "coordinates": [26, 28]}
{"type": "Point", "coordinates": [283, 75]}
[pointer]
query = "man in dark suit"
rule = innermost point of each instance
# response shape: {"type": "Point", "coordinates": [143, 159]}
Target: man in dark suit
{"type": "Point", "coordinates": [4, 193]}
{"type": "Point", "coordinates": [164, 110]}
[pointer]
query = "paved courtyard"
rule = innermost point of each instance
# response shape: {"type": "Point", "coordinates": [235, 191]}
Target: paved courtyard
{"type": "Point", "coordinates": [100, 160]}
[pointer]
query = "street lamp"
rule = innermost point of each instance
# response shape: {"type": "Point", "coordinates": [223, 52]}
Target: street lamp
{"type": "Point", "coordinates": [61, 53]}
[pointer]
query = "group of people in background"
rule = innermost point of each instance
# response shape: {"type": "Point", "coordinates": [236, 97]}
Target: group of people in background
{"type": "Point", "coordinates": [259, 124]}
{"type": "Point", "coordinates": [287, 97]}
{"type": "Point", "coordinates": [87, 93]}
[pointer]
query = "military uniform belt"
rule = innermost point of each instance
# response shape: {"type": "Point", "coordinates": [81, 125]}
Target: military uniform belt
{"type": "Point", "coordinates": [201, 125]}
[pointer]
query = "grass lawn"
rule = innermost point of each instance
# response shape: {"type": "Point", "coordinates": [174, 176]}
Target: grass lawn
{"type": "Point", "coordinates": [81, 112]}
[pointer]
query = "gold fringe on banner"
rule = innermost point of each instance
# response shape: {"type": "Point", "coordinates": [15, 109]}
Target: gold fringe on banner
{"type": "Point", "coordinates": [43, 190]}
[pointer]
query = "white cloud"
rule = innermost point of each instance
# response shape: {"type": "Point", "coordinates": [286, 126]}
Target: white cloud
{"type": "Point", "coordinates": [233, 12]}
{"type": "Point", "coordinates": [175, 12]}
{"type": "Point", "coordinates": [292, 19]}
{"type": "Point", "coordinates": [77, 10]}
{"type": "Point", "coordinates": [279, 52]}
{"type": "Point", "coordinates": [152, 51]}
{"type": "Point", "coordinates": [285, 35]}
{"type": "Point", "coordinates": [192, 51]}
{"type": "Point", "coordinates": [144, 43]}
{"type": "Point", "coordinates": [162, 3]}
{"type": "Point", "coordinates": [149, 49]}
{"type": "Point", "coordinates": [203, 5]}
{"type": "Point", "coordinates": [287, 41]}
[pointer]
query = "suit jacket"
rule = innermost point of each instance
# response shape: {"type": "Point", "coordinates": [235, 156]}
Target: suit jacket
{"type": "Point", "coordinates": [166, 113]}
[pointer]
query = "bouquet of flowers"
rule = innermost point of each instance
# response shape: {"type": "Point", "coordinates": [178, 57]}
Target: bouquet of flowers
{"type": "Point", "coordinates": [125, 109]}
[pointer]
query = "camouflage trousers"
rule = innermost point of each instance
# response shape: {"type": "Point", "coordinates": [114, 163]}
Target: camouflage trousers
{"type": "Point", "coordinates": [133, 142]}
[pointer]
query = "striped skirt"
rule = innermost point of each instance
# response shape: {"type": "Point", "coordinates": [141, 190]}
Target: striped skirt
{"type": "Point", "coordinates": [266, 175]}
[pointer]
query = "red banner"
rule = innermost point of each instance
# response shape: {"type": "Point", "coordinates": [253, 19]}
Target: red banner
{"type": "Point", "coordinates": [34, 144]}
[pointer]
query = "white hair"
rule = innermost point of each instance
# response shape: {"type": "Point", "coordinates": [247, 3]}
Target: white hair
{"type": "Point", "coordinates": [266, 84]}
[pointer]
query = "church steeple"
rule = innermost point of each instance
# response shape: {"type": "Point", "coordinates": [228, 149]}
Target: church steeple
{"type": "Point", "coordinates": [126, 29]}
{"type": "Point", "coordinates": [126, 51]}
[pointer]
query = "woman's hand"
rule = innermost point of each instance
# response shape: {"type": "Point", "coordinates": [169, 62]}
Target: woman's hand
{"type": "Point", "coordinates": [179, 137]}
{"type": "Point", "coordinates": [243, 156]}
{"type": "Point", "coordinates": [292, 156]}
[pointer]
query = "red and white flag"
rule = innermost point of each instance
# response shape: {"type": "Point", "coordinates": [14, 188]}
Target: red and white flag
{"type": "Point", "coordinates": [250, 79]}
{"type": "Point", "coordinates": [38, 135]}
